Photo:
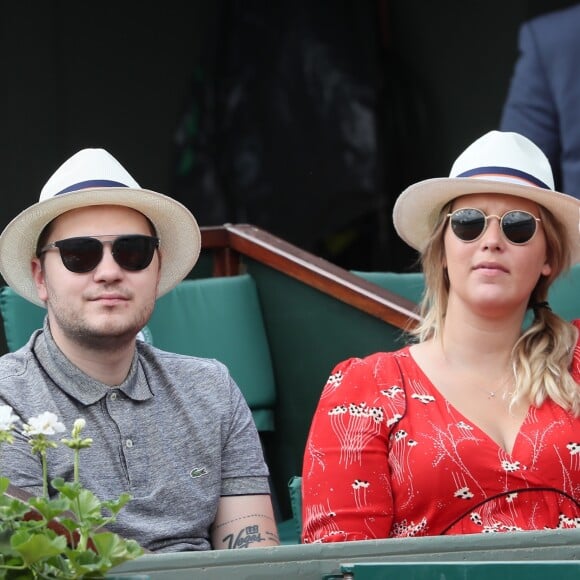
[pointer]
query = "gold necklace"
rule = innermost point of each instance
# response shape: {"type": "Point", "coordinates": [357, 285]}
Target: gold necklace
{"type": "Point", "coordinates": [502, 387]}
{"type": "Point", "coordinates": [503, 383]}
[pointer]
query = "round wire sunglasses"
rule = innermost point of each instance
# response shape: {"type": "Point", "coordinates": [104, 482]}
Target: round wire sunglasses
{"type": "Point", "coordinates": [518, 226]}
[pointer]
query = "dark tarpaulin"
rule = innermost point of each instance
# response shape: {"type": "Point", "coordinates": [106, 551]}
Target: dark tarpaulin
{"type": "Point", "coordinates": [284, 128]}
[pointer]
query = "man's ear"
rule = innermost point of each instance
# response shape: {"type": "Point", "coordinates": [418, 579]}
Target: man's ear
{"type": "Point", "coordinates": [39, 278]}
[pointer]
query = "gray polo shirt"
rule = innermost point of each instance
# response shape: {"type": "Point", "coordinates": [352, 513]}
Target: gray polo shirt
{"type": "Point", "coordinates": [176, 435]}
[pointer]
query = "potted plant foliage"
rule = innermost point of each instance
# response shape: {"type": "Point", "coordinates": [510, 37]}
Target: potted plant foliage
{"type": "Point", "coordinates": [63, 536]}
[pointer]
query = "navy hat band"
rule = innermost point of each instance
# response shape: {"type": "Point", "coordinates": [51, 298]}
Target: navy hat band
{"type": "Point", "coordinates": [91, 183]}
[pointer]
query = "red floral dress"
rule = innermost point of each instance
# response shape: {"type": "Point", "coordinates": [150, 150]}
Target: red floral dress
{"type": "Point", "coordinates": [387, 456]}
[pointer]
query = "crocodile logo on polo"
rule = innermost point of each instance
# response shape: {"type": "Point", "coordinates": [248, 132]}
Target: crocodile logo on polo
{"type": "Point", "coordinates": [198, 472]}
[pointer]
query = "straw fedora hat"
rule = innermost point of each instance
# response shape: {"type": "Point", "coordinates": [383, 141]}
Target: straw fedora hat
{"type": "Point", "coordinates": [498, 162]}
{"type": "Point", "coordinates": [94, 177]}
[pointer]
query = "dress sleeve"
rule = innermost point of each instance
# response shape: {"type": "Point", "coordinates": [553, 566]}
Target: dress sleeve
{"type": "Point", "coordinates": [346, 484]}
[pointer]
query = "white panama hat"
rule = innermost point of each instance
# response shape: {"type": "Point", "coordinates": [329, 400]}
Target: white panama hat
{"type": "Point", "coordinates": [498, 162]}
{"type": "Point", "coordinates": [94, 177]}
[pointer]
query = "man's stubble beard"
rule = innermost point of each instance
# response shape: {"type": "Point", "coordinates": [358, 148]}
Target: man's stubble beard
{"type": "Point", "coordinates": [108, 336]}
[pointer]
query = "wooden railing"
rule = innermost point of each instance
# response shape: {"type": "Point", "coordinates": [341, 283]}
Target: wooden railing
{"type": "Point", "coordinates": [231, 243]}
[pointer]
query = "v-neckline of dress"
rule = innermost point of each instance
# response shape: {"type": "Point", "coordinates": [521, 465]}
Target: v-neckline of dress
{"type": "Point", "coordinates": [437, 393]}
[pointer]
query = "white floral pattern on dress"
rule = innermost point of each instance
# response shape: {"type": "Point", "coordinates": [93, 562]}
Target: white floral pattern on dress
{"type": "Point", "coordinates": [390, 457]}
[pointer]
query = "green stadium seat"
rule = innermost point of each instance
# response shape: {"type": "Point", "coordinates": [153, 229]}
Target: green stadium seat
{"type": "Point", "coordinates": [564, 294]}
{"type": "Point", "coordinates": [221, 318]}
{"type": "Point", "coordinates": [20, 318]}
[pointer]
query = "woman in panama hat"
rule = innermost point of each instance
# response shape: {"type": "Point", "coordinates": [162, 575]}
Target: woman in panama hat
{"type": "Point", "coordinates": [476, 426]}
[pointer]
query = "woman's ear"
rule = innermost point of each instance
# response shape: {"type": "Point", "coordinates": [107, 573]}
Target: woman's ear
{"type": "Point", "coordinates": [546, 269]}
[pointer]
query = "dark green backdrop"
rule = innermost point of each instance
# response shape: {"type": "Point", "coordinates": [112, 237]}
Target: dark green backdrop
{"type": "Point", "coordinates": [116, 74]}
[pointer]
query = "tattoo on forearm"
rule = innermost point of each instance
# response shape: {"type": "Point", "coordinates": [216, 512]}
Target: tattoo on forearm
{"type": "Point", "coordinates": [249, 533]}
{"type": "Point", "coordinates": [243, 518]}
{"type": "Point", "coordinates": [245, 537]}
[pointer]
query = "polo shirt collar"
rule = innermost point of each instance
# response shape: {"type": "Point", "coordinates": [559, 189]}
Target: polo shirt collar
{"type": "Point", "coordinates": [76, 383]}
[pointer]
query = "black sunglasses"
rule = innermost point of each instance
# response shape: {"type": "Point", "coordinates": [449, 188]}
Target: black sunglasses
{"type": "Point", "coordinates": [83, 254]}
{"type": "Point", "coordinates": [518, 226]}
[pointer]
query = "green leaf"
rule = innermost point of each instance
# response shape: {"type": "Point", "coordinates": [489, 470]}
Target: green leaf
{"type": "Point", "coordinates": [66, 488]}
{"type": "Point", "coordinates": [115, 506]}
{"type": "Point", "coordinates": [88, 505]}
{"type": "Point", "coordinates": [4, 483]}
{"type": "Point", "coordinates": [37, 547]}
{"type": "Point", "coordinates": [50, 508]}
{"type": "Point", "coordinates": [12, 509]}
{"type": "Point", "coordinates": [114, 549]}
{"type": "Point", "coordinates": [86, 563]}
{"type": "Point", "coordinates": [68, 523]}
{"type": "Point", "coordinates": [5, 546]}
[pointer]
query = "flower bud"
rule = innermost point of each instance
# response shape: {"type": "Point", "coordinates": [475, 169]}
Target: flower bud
{"type": "Point", "coordinates": [78, 426]}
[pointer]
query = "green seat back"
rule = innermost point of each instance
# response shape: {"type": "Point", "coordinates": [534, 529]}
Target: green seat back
{"type": "Point", "coordinates": [564, 294]}
{"type": "Point", "coordinates": [20, 318]}
{"type": "Point", "coordinates": [295, 491]}
{"type": "Point", "coordinates": [408, 285]}
{"type": "Point", "coordinates": [221, 318]}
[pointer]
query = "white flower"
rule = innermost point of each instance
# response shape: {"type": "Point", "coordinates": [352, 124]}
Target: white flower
{"type": "Point", "coordinates": [46, 423]}
{"type": "Point", "coordinates": [7, 418]}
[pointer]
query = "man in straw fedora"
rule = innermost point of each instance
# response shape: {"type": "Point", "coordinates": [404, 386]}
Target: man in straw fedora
{"type": "Point", "coordinates": [173, 431]}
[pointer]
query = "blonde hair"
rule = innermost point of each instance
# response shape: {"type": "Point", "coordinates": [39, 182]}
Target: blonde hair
{"type": "Point", "coordinates": [542, 355]}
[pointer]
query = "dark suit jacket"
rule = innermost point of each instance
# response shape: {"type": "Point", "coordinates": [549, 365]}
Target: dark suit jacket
{"type": "Point", "coordinates": [543, 102]}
